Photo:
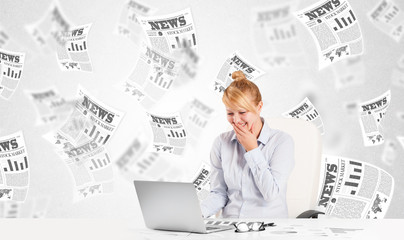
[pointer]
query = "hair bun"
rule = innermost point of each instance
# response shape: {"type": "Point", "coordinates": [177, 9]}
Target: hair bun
{"type": "Point", "coordinates": [238, 76]}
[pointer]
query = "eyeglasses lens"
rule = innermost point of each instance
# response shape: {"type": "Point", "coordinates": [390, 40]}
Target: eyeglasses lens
{"type": "Point", "coordinates": [246, 227]}
{"type": "Point", "coordinates": [242, 227]}
{"type": "Point", "coordinates": [256, 226]}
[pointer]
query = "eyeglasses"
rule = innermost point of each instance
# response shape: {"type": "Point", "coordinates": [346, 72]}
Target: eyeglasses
{"type": "Point", "coordinates": [251, 226]}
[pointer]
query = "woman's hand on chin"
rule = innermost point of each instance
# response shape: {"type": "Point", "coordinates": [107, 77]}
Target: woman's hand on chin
{"type": "Point", "coordinates": [245, 136]}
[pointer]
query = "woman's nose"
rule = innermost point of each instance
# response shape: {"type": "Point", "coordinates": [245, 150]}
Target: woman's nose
{"type": "Point", "coordinates": [236, 118]}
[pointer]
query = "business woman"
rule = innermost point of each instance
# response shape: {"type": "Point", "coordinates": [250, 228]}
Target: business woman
{"type": "Point", "coordinates": [251, 163]}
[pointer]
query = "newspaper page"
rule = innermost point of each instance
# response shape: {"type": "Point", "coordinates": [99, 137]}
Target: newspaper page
{"type": "Point", "coordinates": [99, 177]}
{"type": "Point", "coordinates": [72, 54]}
{"type": "Point", "coordinates": [235, 63]}
{"type": "Point", "coordinates": [153, 166]}
{"type": "Point", "coordinates": [64, 111]}
{"type": "Point", "coordinates": [189, 64]}
{"type": "Point", "coordinates": [9, 42]}
{"type": "Point", "coordinates": [275, 37]}
{"type": "Point", "coordinates": [91, 120]}
{"type": "Point", "coordinates": [132, 153]}
{"type": "Point", "coordinates": [128, 25]}
{"type": "Point", "coordinates": [305, 110]}
{"type": "Point", "coordinates": [388, 17]}
{"type": "Point", "coordinates": [371, 115]}
{"type": "Point", "coordinates": [152, 76]}
{"type": "Point", "coordinates": [11, 67]}
{"type": "Point", "coordinates": [46, 31]}
{"type": "Point", "coordinates": [90, 166]}
{"type": "Point", "coordinates": [172, 32]}
{"type": "Point", "coordinates": [202, 181]}
{"type": "Point", "coordinates": [169, 135]}
{"type": "Point", "coordinates": [351, 188]}
{"type": "Point", "coordinates": [81, 141]}
{"type": "Point", "coordinates": [349, 72]}
{"type": "Point", "coordinates": [49, 105]}
{"type": "Point", "coordinates": [138, 163]}
{"type": "Point", "coordinates": [335, 27]}
{"type": "Point", "coordinates": [14, 168]}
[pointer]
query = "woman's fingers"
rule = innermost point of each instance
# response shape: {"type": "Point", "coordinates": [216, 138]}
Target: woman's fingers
{"type": "Point", "coordinates": [239, 130]}
{"type": "Point", "coordinates": [236, 129]}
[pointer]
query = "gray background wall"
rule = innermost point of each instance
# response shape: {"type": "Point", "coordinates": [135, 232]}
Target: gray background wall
{"type": "Point", "coordinates": [222, 27]}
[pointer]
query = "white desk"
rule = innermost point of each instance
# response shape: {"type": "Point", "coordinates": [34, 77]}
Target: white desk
{"type": "Point", "coordinates": [75, 229]}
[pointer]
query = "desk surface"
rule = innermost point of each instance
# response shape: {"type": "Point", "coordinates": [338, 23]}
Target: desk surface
{"type": "Point", "coordinates": [121, 229]}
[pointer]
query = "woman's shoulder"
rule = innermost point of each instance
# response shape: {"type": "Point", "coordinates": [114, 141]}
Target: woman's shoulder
{"type": "Point", "coordinates": [280, 135]}
{"type": "Point", "coordinates": [223, 140]}
{"type": "Point", "coordinates": [225, 136]}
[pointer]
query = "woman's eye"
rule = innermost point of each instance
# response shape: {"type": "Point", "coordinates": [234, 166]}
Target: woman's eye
{"type": "Point", "coordinates": [229, 114]}
{"type": "Point", "coordinates": [242, 112]}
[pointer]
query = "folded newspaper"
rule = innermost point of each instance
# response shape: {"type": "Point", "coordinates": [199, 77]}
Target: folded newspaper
{"type": "Point", "coordinates": [72, 52]}
{"type": "Point", "coordinates": [128, 25]}
{"type": "Point", "coordinates": [46, 31]}
{"type": "Point", "coordinates": [235, 63]}
{"type": "Point", "coordinates": [388, 17]}
{"type": "Point", "coordinates": [351, 188]}
{"type": "Point", "coordinates": [169, 133]}
{"type": "Point", "coordinates": [202, 181]}
{"type": "Point", "coordinates": [335, 27]}
{"type": "Point", "coordinates": [197, 116]}
{"type": "Point", "coordinates": [49, 105]}
{"type": "Point", "coordinates": [11, 67]}
{"type": "Point", "coordinates": [305, 110]}
{"type": "Point", "coordinates": [81, 143]}
{"type": "Point", "coordinates": [152, 77]}
{"type": "Point", "coordinates": [14, 168]}
{"type": "Point", "coordinates": [372, 113]}
{"type": "Point", "coordinates": [172, 32]}
{"type": "Point", "coordinates": [275, 35]}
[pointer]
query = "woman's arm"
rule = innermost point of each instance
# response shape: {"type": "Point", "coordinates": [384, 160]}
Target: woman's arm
{"type": "Point", "coordinates": [271, 175]}
{"type": "Point", "coordinates": [217, 197]}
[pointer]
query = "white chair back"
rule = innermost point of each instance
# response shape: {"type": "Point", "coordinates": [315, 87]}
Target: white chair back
{"type": "Point", "coordinates": [304, 181]}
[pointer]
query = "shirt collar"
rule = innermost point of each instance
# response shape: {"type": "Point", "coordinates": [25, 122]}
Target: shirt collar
{"type": "Point", "coordinates": [264, 135]}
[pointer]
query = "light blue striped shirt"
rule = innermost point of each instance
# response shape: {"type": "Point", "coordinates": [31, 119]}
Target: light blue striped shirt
{"type": "Point", "coordinates": [250, 184]}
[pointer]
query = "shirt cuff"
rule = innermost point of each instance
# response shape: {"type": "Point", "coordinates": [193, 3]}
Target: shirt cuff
{"type": "Point", "coordinates": [255, 159]}
{"type": "Point", "coordinates": [205, 211]}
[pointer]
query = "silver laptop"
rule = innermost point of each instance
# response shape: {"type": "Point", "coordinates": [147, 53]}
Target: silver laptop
{"type": "Point", "coordinates": [172, 206]}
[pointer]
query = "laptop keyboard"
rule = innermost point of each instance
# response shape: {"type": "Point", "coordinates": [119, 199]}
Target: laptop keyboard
{"type": "Point", "coordinates": [211, 228]}
{"type": "Point", "coordinates": [220, 222]}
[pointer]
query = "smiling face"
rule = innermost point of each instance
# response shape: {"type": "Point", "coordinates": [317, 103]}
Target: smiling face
{"type": "Point", "coordinates": [241, 116]}
{"type": "Point", "coordinates": [243, 102]}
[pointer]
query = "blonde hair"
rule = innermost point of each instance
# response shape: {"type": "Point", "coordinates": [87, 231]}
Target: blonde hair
{"type": "Point", "coordinates": [241, 92]}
